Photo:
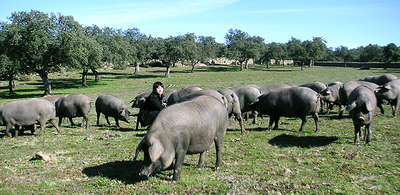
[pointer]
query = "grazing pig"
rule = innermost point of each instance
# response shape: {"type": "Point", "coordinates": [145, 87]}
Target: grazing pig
{"type": "Point", "coordinates": [28, 113]}
{"type": "Point", "coordinates": [247, 94]}
{"type": "Point", "coordinates": [379, 79]}
{"type": "Point", "coordinates": [390, 92]}
{"type": "Point", "coordinates": [111, 106]}
{"type": "Point", "coordinates": [290, 102]}
{"type": "Point", "coordinates": [361, 105]}
{"type": "Point", "coordinates": [72, 106]}
{"type": "Point", "coordinates": [189, 127]}
{"type": "Point", "coordinates": [177, 95]}
{"type": "Point", "coordinates": [233, 106]}
{"type": "Point", "coordinates": [332, 96]}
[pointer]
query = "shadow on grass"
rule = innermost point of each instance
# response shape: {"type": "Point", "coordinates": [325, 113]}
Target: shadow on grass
{"type": "Point", "coordinates": [125, 171]}
{"type": "Point", "coordinates": [284, 140]}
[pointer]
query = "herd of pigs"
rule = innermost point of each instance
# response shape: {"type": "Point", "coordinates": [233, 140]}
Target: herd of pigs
{"type": "Point", "coordinates": [197, 119]}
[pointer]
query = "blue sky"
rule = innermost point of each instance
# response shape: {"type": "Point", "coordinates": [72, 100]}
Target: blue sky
{"type": "Point", "coordinates": [350, 23]}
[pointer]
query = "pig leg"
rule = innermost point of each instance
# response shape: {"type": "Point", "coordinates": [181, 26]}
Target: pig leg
{"type": "Point", "coordinates": [200, 165]}
{"type": "Point", "coordinates": [86, 119]}
{"type": "Point", "coordinates": [218, 147]}
{"type": "Point", "coordinates": [54, 123]}
{"type": "Point", "coordinates": [367, 133]}
{"type": "Point", "coordinates": [116, 122]}
{"type": "Point", "coordinates": [8, 127]}
{"type": "Point", "coordinates": [315, 117]}
{"type": "Point", "coordinates": [255, 115]}
{"type": "Point", "coordinates": [180, 156]}
{"type": "Point", "coordinates": [108, 122]}
{"type": "Point", "coordinates": [357, 132]}
{"type": "Point", "coordinates": [379, 105]}
{"type": "Point", "coordinates": [395, 107]}
{"type": "Point", "coordinates": [303, 122]}
{"type": "Point", "coordinates": [276, 122]}
{"type": "Point", "coordinates": [16, 127]}
{"type": "Point", "coordinates": [98, 117]}
{"type": "Point", "coordinates": [271, 121]}
{"type": "Point", "coordinates": [59, 120]}
{"type": "Point", "coordinates": [240, 119]}
{"type": "Point", "coordinates": [42, 126]}
{"type": "Point", "coordinates": [137, 123]}
{"type": "Point", "coordinates": [71, 121]}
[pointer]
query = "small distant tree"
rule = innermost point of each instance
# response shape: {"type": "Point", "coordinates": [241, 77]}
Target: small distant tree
{"type": "Point", "coordinates": [140, 44]}
{"type": "Point", "coordinates": [241, 47]}
{"type": "Point", "coordinates": [190, 49]}
{"type": "Point", "coordinates": [296, 51]}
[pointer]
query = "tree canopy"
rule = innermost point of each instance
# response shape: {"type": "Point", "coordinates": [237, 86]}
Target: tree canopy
{"type": "Point", "coordinates": [36, 42]}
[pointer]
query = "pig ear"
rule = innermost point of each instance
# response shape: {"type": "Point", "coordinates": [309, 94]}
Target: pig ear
{"type": "Point", "coordinates": [155, 149]}
{"type": "Point", "coordinates": [122, 113]}
{"type": "Point", "coordinates": [370, 106]}
{"type": "Point", "coordinates": [351, 106]}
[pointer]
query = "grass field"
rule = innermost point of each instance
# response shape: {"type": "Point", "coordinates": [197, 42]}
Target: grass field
{"type": "Point", "coordinates": [98, 160]}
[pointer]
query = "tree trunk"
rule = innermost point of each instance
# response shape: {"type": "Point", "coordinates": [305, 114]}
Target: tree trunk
{"type": "Point", "coordinates": [268, 65]}
{"type": "Point", "coordinates": [241, 66]}
{"type": "Point", "coordinates": [193, 64]}
{"type": "Point", "coordinates": [46, 83]}
{"type": "Point", "coordinates": [167, 72]}
{"type": "Point", "coordinates": [11, 83]}
{"type": "Point", "coordinates": [247, 64]}
{"type": "Point", "coordinates": [302, 65]}
{"type": "Point", "coordinates": [137, 68]}
{"type": "Point", "coordinates": [96, 75]}
{"type": "Point", "coordinates": [311, 63]}
{"type": "Point", "coordinates": [84, 77]}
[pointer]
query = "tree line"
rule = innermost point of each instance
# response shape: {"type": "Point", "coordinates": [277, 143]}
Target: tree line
{"type": "Point", "coordinates": [36, 42]}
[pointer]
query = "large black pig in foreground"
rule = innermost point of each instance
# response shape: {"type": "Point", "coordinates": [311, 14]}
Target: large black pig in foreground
{"type": "Point", "coordinates": [290, 102]}
{"type": "Point", "coordinates": [361, 105]}
{"type": "Point", "coordinates": [189, 127]}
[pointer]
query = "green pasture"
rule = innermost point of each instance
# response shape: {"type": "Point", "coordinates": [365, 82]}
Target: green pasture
{"type": "Point", "coordinates": [98, 160]}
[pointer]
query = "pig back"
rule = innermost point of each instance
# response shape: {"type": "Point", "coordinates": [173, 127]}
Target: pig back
{"type": "Point", "coordinates": [196, 122]}
{"type": "Point", "coordinates": [291, 102]}
{"type": "Point", "coordinates": [110, 105]}
{"type": "Point", "coordinates": [75, 105]}
{"type": "Point", "coordinates": [28, 112]}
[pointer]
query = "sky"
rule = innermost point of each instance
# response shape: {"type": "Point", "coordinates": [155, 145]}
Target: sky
{"type": "Point", "coordinates": [350, 23]}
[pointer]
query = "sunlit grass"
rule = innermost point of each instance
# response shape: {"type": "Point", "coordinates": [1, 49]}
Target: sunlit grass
{"type": "Point", "coordinates": [98, 160]}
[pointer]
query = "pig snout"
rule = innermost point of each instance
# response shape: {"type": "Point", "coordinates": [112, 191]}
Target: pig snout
{"type": "Point", "coordinates": [145, 173]}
